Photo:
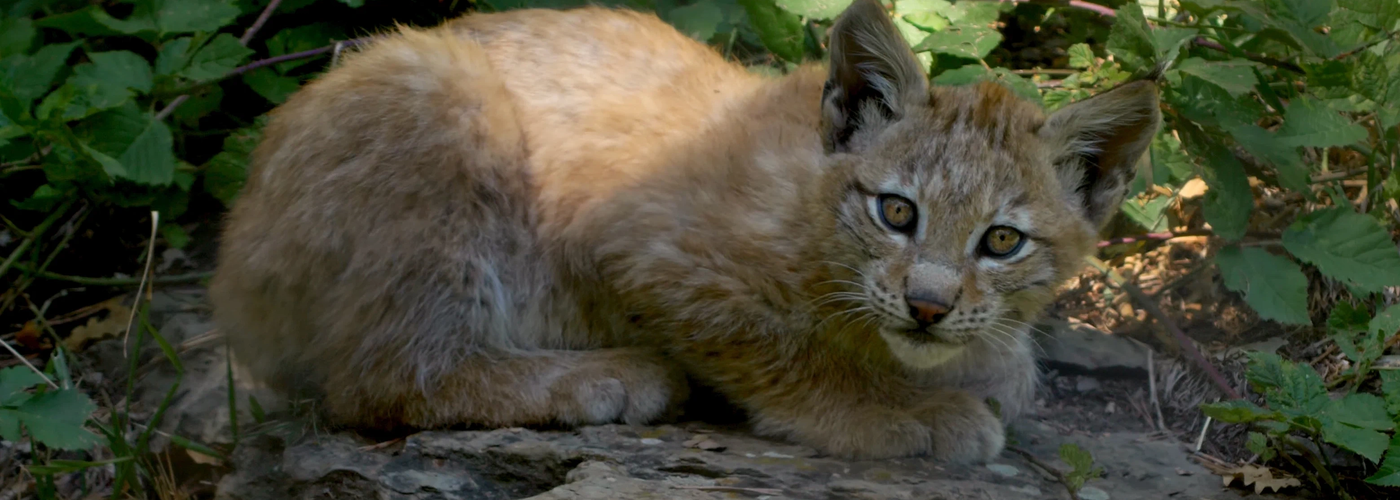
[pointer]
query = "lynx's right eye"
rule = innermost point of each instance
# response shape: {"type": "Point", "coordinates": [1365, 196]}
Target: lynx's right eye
{"type": "Point", "coordinates": [898, 212]}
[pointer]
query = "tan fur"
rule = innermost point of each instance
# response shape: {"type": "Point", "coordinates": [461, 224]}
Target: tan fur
{"type": "Point", "coordinates": [541, 217]}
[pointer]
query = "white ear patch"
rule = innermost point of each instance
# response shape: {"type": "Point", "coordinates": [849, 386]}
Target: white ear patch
{"type": "Point", "coordinates": [920, 356]}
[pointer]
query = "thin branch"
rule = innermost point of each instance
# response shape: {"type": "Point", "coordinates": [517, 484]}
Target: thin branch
{"type": "Point", "coordinates": [26, 362]}
{"type": "Point", "coordinates": [1059, 476]}
{"type": "Point", "coordinates": [1365, 46]}
{"type": "Point", "coordinates": [90, 281]}
{"type": "Point", "coordinates": [258, 24]}
{"type": "Point", "coordinates": [264, 63]}
{"type": "Point", "coordinates": [34, 235]}
{"type": "Point", "coordinates": [1154, 236]}
{"type": "Point", "coordinates": [1260, 58]}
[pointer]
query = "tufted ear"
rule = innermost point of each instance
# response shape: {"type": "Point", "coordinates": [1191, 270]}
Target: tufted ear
{"type": "Point", "coordinates": [874, 75]}
{"type": "Point", "coordinates": [1098, 142]}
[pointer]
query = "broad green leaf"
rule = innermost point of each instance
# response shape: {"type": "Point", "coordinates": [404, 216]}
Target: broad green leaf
{"type": "Point", "coordinates": [1229, 201]}
{"type": "Point", "coordinates": [1292, 389]}
{"type": "Point", "coordinates": [1310, 123]}
{"type": "Point", "coordinates": [1386, 323]}
{"type": "Point", "coordinates": [43, 199]}
{"type": "Point", "coordinates": [1390, 389]}
{"type": "Point", "coordinates": [175, 236]}
{"type": "Point", "coordinates": [973, 73]}
{"type": "Point", "coordinates": [226, 172]}
{"type": "Point", "coordinates": [1273, 285]}
{"type": "Point", "coordinates": [906, 7]}
{"type": "Point", "coordinates": [1237, 411]}
{"type": "Point", "coordinates": [1236, 76]}
{"type": "Point", "coordinates": [1307, 13]}
{"type": "Point", "coordinates": [1170, 165]}
{"type": "Point", "coordinates": [174, 55]}
{"type": "Point", "coordinates": [29, 77]}
{"type": "Point", "coordinates": [150, 159]}
{"type": "Point", "coordinates": [1207, 104]}
{"type": "Point", "coordinates": [974, 13]}
{"type": "Point", "coordinates": [1365, 442]}
{"type": "Point", "coordinates": [15, 380]}
{"type": "Point", "coordinates": [118, 68]}
{"type": "Point", "coordinates": [216, 59]}
{"type": "Point", "coordinates": [201, 102]}
{"type": "Point", "coordinates": [972, 42]}
{"type": "Point", "coordinates": [187, 16]}
{"type": "Point", "coordinates": [1345, 324]}
{"type": "Point", "coordinates": [1081, 56]}
{"type": "Point", "coordinates": [1130, 41]}
{"type": "Point", "coordinates": [1346, 246]}
{"type": "Point", "coordinates": [699, 20]}
{"type": "Point", "coordinates": [56, 418]}
{"type": "Point", "coordinates": [815, 9]}
{"type": "Point", "coordinates": [1361, 410]}
{"type": "Point", "coordinates": [1388, 474]}
{"type": "Point", "coordinates": [303, 38]}
{"type": "Point", "coordinates": [110, 165]}
{"type": "Point", "coordinates": [16, 35]}
{"type": "Point", "coordinates": [1149, 215]}
{"type": "Point", "coordinates": [1168, 41]}
{"type": "Point", "coordinates": [926, 22]}
{"type": "Point", "coordinates": [780, 30]}
{"type": "Point", "coordinates": [1284, 157]}
{"type": "Point", "coordinates": [270, 85]}
{"type": "Point", "coordinates": [94, 21]}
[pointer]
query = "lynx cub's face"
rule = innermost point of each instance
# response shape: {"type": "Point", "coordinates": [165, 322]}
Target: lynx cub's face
{"type": "Point", "coordinates": [962, 207]}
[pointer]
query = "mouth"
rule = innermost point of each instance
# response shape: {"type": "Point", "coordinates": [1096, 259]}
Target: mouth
{"type": "Point", "coordinates": [922, 350]}
{"type": "Point", "coordinates": [923, 336]}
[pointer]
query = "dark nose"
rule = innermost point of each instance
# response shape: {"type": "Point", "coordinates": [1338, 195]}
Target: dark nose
{"type": "Point", "coordinates": [927, 312]}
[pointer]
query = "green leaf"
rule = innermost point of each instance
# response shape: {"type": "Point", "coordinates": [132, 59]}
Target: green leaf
{"type": "Point", "coordinates": [175, 236]}
{"type": "Point", "coordinates": [972, 42]}
{"type": "Point", "coordinates": [1081, 56]}
{"type": "Point", "coordinates": [1387, 323]}
{"type": "Point", "coordinates": [973, 73]}
{"type": "Point", "coordinates": [56, 418]}
{"type": "Point", "coordinates": [300, 39]}
{"type": "Point", "coordinates": [1294, 390]}
{"type": "Point", "coordinates": [43, 199]}
{"type": "Point", "coordinates": [1388, 474]}
{"type": "Point", "coordinates": [29, 77]}
{"type": "Point", "coordinates": [118, 68]}
{"type": "Point", "coordinates": [174, 56]}
{"type": "Point", "coordinates": [1170, 165]}
{"type": "Point", "coordinates": [353, 3]}
{"type": "Point", "coordinates": [226, 172]}
{"type": "Point", "coordinates": [15, 380]}
{"type": "Point", "coordinates": [1347, 246]}
{"type": "Point", "coordinates": [216, 59]}
{"type": "Point", "coordinates": [1130, 40]}
{"type": "Point", "coordinates": [1262, 144]}
{"type": "Point", "coordinates": [16, 35]}
{"type": "Point", "coordinates": [1345, 324]}
{"type": "Point", "coordinates": [780, 30]}
{"type": "Point", "coordinates": [1365, 442]}
{"type": "Point", "coordinates": [1273, 285]}
{"type": "Point", "coordinates": [1361, 410]}
{"type": "Point", "coordinates": [1390, 389]}
{"type": "Point", "coordinates": [1309, 123]}
{"type": "Point", "coordinates": [1236, 76]}
{"type": "Point", "coordinates": [1229, 201]}
{"type": "Point", "coordinates": [93, 21]}
{"type": "Point", "coordinates": [1238, 411]}
{"type": "Point", "coordinates": [150, 159]}
{"type": "Point", "coordinates": [815, 9]}
{"type": "Point", "coordinates": [1149, 215]}
{"type": "Point", "coordinates": [270, 85]}
{"type": "Point", "coordinates": [1081, 465]}
{"type": "Point", "coordinates": [698, 20]}
{"type": "Point", "coordinates": [187, 16]}
{"type": "Point", "coordinates": [1307, 13]}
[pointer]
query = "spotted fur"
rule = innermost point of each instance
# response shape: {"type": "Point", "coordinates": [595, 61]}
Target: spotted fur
{"type": "Point", "coordinates": [541, 216]}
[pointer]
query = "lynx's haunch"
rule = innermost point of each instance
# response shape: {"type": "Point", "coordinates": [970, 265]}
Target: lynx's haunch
{"type": "Point", "coordinates": [559, 217]}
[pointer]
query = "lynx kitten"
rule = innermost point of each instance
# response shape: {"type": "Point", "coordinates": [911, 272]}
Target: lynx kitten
{"type": "Point", "coordinates": [561, 217]}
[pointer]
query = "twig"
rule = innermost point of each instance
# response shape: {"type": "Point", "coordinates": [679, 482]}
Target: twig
{"type": "Point", "coordinates": [264, 63]}
{"type": "Point", "coordinates": [1261, 58]}
{"type": "Point", "coordinates": [258, 24]}
{"type": "Point", "coordinates": [1043, 71]}
{"type": "Point", "coordinates": [1152, 390]}
{"type": "Point", "coordinates": [1334, 176]}
{"type": "Point", "coordinates": [26, 362]}
{"type": "Point", "coordinates": [34, 235]}
{"type": "Point", "coordinates": [150, 256]}
{"type": "Point", "coordinates": [89, 281]}
{"type": "Point", "coordinates": [1146, 303]}
{"type": "Point", "coordinates": [1201, 439]}
{"type": "Point", "coordinates": [1059, 476]}
{"type": "Point", "coordinates": [1154, 236]}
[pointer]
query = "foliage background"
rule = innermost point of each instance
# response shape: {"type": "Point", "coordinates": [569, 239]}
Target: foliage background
{"type": "Point", "coordinates": [1279, 145]}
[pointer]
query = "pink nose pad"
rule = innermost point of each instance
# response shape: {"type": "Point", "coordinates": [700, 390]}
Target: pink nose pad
{"type": "Point", "coordinates": [927, 312]}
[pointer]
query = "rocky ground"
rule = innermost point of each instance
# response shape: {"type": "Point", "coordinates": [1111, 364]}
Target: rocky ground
{"type": "Point", "coordinates": [1095, 396]}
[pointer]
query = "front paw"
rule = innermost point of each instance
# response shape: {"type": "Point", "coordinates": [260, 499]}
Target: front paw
{"type": "Point", "coordinates": [962, 428]}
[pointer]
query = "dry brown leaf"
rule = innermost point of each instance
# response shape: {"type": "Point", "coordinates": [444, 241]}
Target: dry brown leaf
{"type": "Point", "coordinates": [1261, 478]}
{"type": "Point", "coordinates": [703, 442]}
{"type": "Point", "coordinates": [99, 329]}
{"type": "Point", "coordinates": [30, 337]}
{"type": "Point", "coordinates": [201, 458]}
{"type": "Point", "coordinates": [1193, 188]}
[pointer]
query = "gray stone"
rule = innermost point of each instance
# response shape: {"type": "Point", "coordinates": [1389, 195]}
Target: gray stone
{"type": "Point", "coordinates": [1081, 349]}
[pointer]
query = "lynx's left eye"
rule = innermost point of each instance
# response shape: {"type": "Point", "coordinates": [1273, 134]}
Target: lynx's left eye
{"type": "Point", "coordinates": [1002, 241]}
{"type": "Point", "coordinates": [898, 212]}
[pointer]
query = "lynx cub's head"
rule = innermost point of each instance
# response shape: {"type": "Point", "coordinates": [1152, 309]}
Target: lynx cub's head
{"type": "Point", "coordinates": [958, 210]}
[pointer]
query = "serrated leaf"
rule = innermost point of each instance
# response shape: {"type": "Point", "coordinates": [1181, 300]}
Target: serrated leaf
{"type": "Point", "coordinates": [1274, 286]}
{"type": "Point", "coordinates": [1168, 41]}
{"type": "Point", "coordinates": [1388, 474]}
{"type": "Point", "coordinates": [1170, 165]}
{"type": "Point", "coordinates": [94, 21]}
{"type": "Point", "coordinates": [226, 172]}
{"type": "Point", "coordinates": [1386, 323]}
{"type": "Point", "coordinates": [29, 77]}
{"type": "Point", "coordinates": [1284, 157]}
{"type": "Point", "coordinates": [174, 55]}
{"type": "Point", "coordinates": [15, 380]}
{"type": "Point", "coordinates": [972, 42]}
{"type": "Point", "coordinates": [270, 85]}
{"type": "Point", "coordinates": [1390, 389]}
{"type": "Point", "coordinates": [1345, 323]}
{"type": "Point", "coordinates": [1310, 123]}
{"type": "Point", "coordinates": [216, 59]}
{"type": "Point", "coordinates": [698, 20]}
{"type": "Point", "coordinates": [56, 418]}
{"type": "Point", "coordinates": [150, 159]}
{"type": "Point", "coordinates": [1361, 410]}
{"type": "Point", "coordinates": [187, 16]}
{"type": "Point", "coordinates": [118, 68]}
{"type": "Point", "coordinates": [1081, 56]}
{"type": "Point", "coordinates": [815, 9]}
{"type": "Point", "coordinates": [1296, 391]}
{"type": "Point", "coordinates": [1236, 76]}
{"type": "Point", "coordinates": [973, 73]}
{"type": "Point", "coordinates": [926, 22]}
{"type": "Point", "coordinates": [16, 35]}
{"type": "Point", "coordinates": [1130, 40]}
{"type": "Point", "coordinates": [43, 199]}
{"type": "Point", "coordinates": [1307, 13]}
{"type": "Point", "coordinates": [1237, 411]}
{"type": "Point", "coordinates": [1148, 215]}
{"type": "Point", "coordinates": [1346, 246]}
{"type": "Point", "coordinates": [779, 29]}
{"type": "Point", "coordinates": [1365, 442]}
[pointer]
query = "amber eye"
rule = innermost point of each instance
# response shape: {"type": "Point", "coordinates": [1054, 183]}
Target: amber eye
{"type": "Point", "coordinates": [1002, 241]}
{"type": "Point", "coordinates": [898, 212]}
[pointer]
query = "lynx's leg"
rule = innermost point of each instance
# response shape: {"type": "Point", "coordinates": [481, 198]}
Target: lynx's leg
{"type": "Point", "coordinates": [543, 387]}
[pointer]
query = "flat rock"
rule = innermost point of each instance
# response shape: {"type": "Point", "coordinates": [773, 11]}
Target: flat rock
{"type": "Point", "coordinates": [1081, 349]}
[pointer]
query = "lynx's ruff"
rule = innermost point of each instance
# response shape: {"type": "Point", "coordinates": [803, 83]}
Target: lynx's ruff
{"type": "Point", "coordinates": [538, 217]}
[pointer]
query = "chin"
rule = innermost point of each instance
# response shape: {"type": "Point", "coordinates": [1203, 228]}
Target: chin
{"type": "Point", "coordinates": [921, 355]}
